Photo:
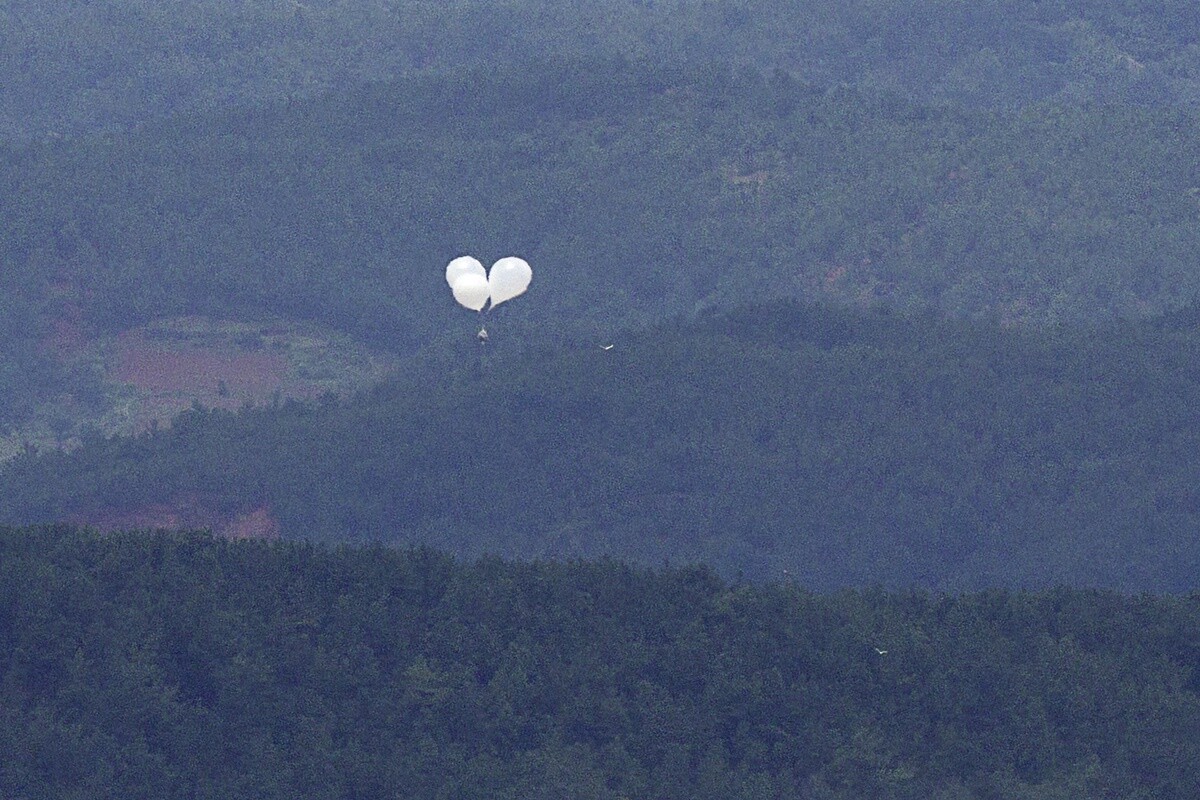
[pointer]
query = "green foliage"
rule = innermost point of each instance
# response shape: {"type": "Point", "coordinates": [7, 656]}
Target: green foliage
{"type": "Point", "coordinates": [681, 186]}
{"type": "Point", "coordinates": [155, 666]}
{"type": "Point", "coordinates": [639, 191]}
{"type": "Point", "coordinates": [75, 66]}
{"type": "Point", "coordinates": [842, 447]}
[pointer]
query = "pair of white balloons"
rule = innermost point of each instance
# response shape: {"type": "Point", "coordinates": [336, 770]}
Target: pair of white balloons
{"type": "Point", "coordinates": [473, 286]}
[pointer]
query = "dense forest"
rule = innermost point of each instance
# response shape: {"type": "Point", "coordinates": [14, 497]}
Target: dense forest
{"type": "Point", "coordinates": [76, 66]}
{"type": "Point", "coordinates": [855, 400]}
{"type": "Point", "coordinates": [1001, 365]}
{"type": "Point", "coordinates": [841, 446]}
{"type": "Point", "coordinates": [639, 192]}
{"type": "Point", "coordinates": [181, 666]}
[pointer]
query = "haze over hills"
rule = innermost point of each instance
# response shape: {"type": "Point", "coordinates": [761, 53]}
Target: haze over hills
{"type": "Point", "coordinates": [899, 293]}
{"type": "Point", "coordinates": [644, 187]}
{"type": "Point", "coordinates": [639, 192]}
{"type": "Point", "coordinates": [76, 67]}
{"type": "Point", "coordinates": [837, 447]}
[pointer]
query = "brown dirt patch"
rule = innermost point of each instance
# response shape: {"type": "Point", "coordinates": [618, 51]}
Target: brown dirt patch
{"type": "Point", "coordinates": [161, 368]}
{"type": "Point", "coordinates": [189, 511]}
{"type": "Point", "coordinates": [256, 524]}
{"type": "Point", "coordinates": [146, 376]}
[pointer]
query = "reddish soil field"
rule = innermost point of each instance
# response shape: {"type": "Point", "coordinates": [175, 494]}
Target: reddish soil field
{"type": "Point", "coordinates": [156, 372]}
{"type": "Point", "coordinates": [159, 368]}
{"type": "Point", "coordinates": [188, 511]}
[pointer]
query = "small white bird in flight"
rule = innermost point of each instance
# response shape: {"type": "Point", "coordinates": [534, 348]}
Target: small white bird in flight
{"type": "Point", "coordinates": [606, 347]}
{"type": "Point", "coordinates": [881, 652]}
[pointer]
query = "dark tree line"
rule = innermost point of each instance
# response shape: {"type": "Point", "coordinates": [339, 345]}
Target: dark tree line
{"type": "Point", "coordinates": [162, 666]}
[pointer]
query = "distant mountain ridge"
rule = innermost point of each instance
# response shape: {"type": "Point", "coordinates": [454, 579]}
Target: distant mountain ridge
{"type": "Point", "coordinates": [75, 67]}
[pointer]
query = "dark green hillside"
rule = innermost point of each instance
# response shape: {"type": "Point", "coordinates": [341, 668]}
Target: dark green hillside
{"type": "Point", "coordinates": [74, 66]}
{"type": "Point", "coordinates": [140, 666]}
{"type": "Point", "coordinates": [636, 193]}
{"type": "Point", "coordinates": [842, 447]}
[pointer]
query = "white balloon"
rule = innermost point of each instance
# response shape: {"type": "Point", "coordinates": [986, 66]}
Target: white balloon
{"type": "Point", "coordinates": [471, 290]}
{"type": "Point", "coordinates": [508, 278]}
{"type": "Point", "coordinates": [463, 265]}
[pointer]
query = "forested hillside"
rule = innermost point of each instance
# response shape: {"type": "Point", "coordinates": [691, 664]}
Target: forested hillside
{"type": "Point", "coordinates": [645, 187]}
{"type": "Point", "coordinates": [638, 193]}
{"type": "Point", "coordinates": [139, 666]}
{"type": "Point", "coordinates": [842, 447]}
{"type": "Point", "coordinates": [827, 295]}
{"type": "Point", "coordinates": [73, 66]}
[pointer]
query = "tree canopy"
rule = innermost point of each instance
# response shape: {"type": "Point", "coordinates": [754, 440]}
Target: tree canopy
{"type": "Point", "coordinates": [642, 191]}
{"type": "Point", "coordinates": [73, 66]}
{"type": "Point", "coordinates": [846, 447]}
{"type": "Point", "coordinates": [154, 666]}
